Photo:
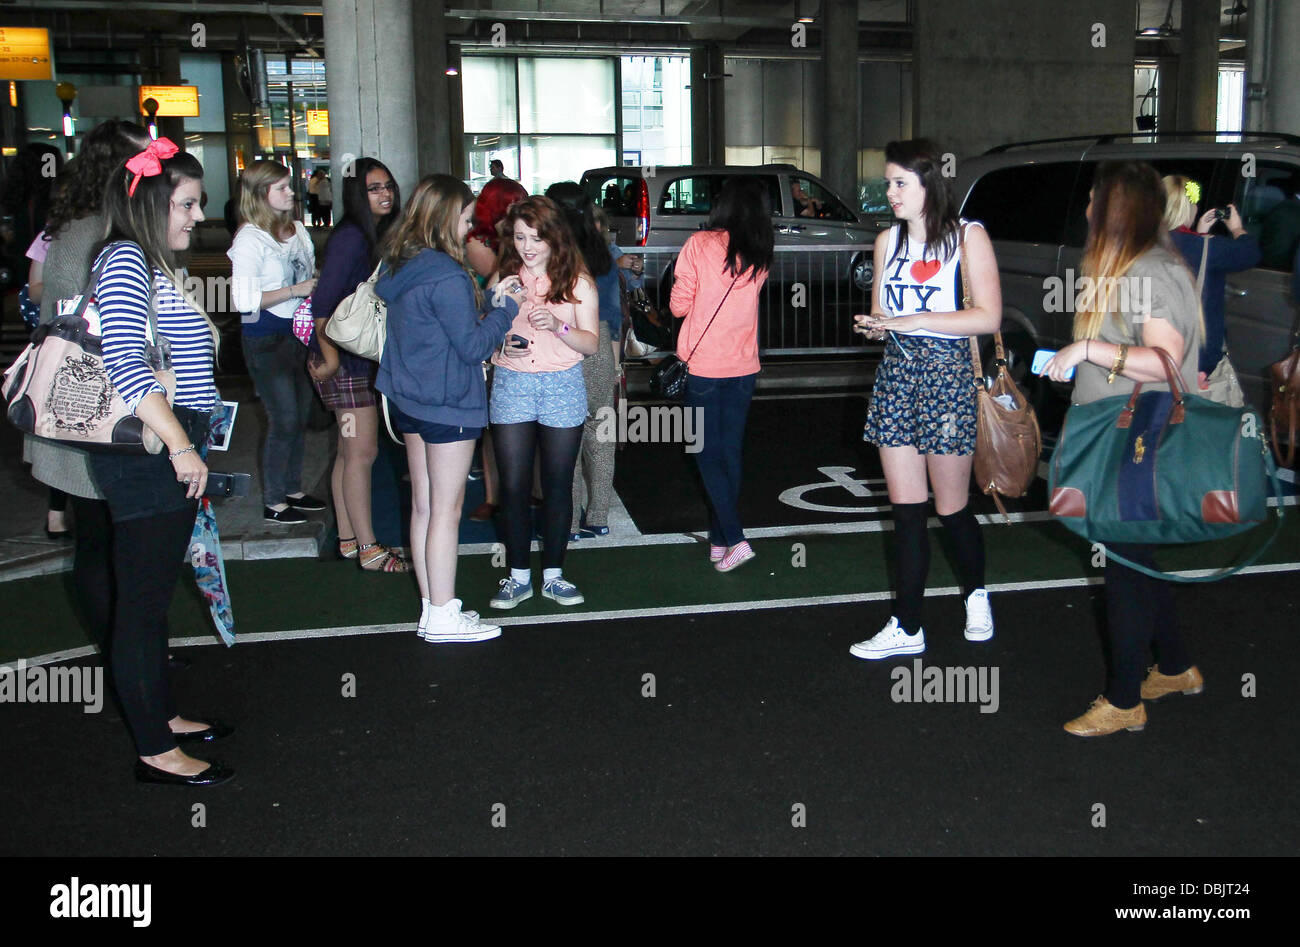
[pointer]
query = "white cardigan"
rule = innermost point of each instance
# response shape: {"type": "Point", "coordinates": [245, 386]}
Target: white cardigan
{"type": "Point", "coordinates": [260, 263]}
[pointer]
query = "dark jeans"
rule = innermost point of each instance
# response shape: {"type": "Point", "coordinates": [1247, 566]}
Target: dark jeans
{"type": "Point", "coordinates": [278, 364]}
{"type": "Point", "coordinates": [1140, 616]}
{"type": "Point", "coordinates": [725, 404]}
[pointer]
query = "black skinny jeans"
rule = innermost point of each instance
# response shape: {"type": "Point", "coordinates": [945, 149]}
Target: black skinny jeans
{"type": "Point", "coordinates": [1140, 617]}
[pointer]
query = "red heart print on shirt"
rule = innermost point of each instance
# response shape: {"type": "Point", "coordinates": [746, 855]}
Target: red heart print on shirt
{"type": "Point", "coordinates": [922, 270]}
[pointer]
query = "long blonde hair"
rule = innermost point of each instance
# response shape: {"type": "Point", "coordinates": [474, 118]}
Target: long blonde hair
{"type": "Point", "coordinates": [1127, 220]}
{"type": "Point", "coordinates": [1179, 209]}
{"type": "Point", "coordinates": [254, 208]}
{"type": "Point", "coordinates": [429, 222]}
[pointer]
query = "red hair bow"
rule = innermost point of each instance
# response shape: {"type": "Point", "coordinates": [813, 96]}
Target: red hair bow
{"type": "Point", "coordinates": [149, 162]}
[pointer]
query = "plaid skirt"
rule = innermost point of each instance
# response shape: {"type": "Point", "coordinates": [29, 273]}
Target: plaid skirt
{"type": "Point", "coordinates": [924, 397]}
{"type": "Point", "coordinates": [347, 389]}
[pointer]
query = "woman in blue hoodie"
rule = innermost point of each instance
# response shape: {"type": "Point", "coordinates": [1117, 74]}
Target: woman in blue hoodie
{"type": "Point", "coordinates": [432, 374]}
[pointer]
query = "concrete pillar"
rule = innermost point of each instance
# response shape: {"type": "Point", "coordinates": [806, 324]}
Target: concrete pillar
{"type": "Point", "coordinates": [708, 114]}
{"type": "Point", "coordinates": [369, 52]}
{"type": "Point", "coordinates": [1198, 67]}
{"type": "Point", "coordinates": [432, 103]}
{"type": "Point", "coordinates": [989, 73]}
{"type": "Point", "coordinates": [1283, 102]}
{"type": "Point", "coordinates": [840, 96]}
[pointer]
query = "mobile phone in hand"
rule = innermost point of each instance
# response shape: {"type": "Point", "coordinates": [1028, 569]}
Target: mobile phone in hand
{"type": "Point", "coordinates": [1041, 358]}
{"type": "Point", "coordinates": [225, 485]}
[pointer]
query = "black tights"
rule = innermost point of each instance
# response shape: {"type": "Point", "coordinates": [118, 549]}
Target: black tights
{"type": "Point", "coordinates": [92, 568]}
{"type": "Point", "coordinates": [912, 545]}
{"type": "Point", "coordinates": [516, 445]}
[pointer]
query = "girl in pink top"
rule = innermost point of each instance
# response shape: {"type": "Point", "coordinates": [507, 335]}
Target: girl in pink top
{"type": "Point", "coordinates": [539, 399]}
{"type": "Point", "coordinates": [719, 274]}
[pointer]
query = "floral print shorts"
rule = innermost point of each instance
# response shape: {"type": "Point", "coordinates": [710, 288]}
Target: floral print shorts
{"type": "Point", "coordinates": [924, 397]}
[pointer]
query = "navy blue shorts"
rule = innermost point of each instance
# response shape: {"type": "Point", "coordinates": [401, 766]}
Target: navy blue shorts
{"type": "Point", "coordinates": [431, 432]}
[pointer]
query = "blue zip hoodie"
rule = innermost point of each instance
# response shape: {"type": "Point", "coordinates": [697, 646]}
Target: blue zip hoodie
{"type": "Point", "coordinates": [432, 368]}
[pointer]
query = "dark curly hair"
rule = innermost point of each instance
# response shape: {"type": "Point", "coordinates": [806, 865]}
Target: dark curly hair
{"type": "Point", "coordinates": [81, 185]}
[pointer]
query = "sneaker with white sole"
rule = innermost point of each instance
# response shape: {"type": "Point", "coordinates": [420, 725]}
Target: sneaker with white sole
{"type": "Point", "coordinates": [511, 593]}
{"type": "Point", "coordinates": [738, 555]}
{"type": "Point", "coordinates": [562, 592]}
{"type": "Point", "coordinates": [979, 616]}
{"type": "Point", "coordinates": [890, 641]}
{"type": "Point", "coordinates": [447, 623]}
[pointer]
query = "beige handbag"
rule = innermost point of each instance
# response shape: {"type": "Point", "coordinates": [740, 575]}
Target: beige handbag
{"type": "Point", "coordinates": [58, 388]}
{"type": "Point", "coordinates": [360, 322]}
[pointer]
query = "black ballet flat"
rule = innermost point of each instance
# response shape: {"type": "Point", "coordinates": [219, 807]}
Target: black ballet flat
{"type": "Point", "coordinates": [216, 730]}
{"type": "Point", "coordinates": [178, 662]}
{"type": "Point", "coordinates": [215, 774]}
{"type": "Point", "coordinates": [58, 533]}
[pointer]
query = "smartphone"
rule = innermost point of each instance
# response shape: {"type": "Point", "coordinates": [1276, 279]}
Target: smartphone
{"type": "Point", "coordinates": [1041, 358]}
{"type": "Point", "coordinates": [514, 342]}
{"type": "Point", "coordinates": [224, 485]}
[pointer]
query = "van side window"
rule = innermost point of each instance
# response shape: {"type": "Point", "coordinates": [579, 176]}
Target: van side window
{"type": "Point", "coordinates": [694, 195]}
{"type": "Point", "coordinates": [810, 199]}
{"type": "Point", "coordinates": [614, 194]}
{"type": "Point", "coordinates": [1269, 204]}
{"type": "Point", "coordinates": [1026, 203]}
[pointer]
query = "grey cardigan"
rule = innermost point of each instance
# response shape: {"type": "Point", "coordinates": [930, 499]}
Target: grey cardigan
{"type": "Point", "coordinates": [67, 268]}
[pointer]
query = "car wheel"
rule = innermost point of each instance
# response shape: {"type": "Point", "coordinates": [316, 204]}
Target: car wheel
{"type": "Point", "coordinates": [863, 271]}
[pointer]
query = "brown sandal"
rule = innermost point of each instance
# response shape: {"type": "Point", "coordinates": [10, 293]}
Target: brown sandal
{"type": "Point", "coordinates": [382, 560]}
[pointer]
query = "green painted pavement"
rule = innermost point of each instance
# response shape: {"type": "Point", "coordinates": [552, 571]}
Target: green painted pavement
{"type": "Point", "coordinates": [284, 594]}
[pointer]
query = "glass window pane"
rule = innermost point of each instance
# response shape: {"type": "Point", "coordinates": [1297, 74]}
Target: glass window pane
{"type": "Point", "coordinates": [566, 95]}
{"type": "Point", "coordinates": [546, 159]}
{"type": "Point", "coordinates": [481, 150]}
{"type": "Point", "coordinates": [1025, 203]}
{"type": "Point", "coordinates": [488, 94]}
{"type": "Point", "coordinates": [205, 72]}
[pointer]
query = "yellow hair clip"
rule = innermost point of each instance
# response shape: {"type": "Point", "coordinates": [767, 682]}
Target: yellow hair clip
{"type": "Point", "coordinates": [1193, 192]}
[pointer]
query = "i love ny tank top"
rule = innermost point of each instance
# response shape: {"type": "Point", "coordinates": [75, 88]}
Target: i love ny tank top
{"type": "Point", "coordinates": [912, 283]}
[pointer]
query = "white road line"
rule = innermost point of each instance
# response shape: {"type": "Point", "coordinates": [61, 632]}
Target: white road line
{"type": "Point", "coordinates": [523, 621]}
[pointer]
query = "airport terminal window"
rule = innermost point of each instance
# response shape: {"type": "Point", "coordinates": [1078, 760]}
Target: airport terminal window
{"type": "Point", "coordinates": [1026, 203]}
{"type": "Point", "coordinates": [1269, 204]}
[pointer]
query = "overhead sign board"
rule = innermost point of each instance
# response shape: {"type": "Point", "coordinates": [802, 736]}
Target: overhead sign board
{"type": "Point", "coordinates": [174, 101]}
{"type": "Point", "coordinates": [318, 121]}
{"type": "Point", "coordinates": [25, 53]}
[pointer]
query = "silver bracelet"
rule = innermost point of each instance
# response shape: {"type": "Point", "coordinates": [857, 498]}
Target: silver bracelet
{"type": "Point", "coordinates": [176, 453]}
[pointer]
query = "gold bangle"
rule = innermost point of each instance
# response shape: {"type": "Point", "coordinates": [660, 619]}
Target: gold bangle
{"type": "Point", "coordinates": [1118, 366]}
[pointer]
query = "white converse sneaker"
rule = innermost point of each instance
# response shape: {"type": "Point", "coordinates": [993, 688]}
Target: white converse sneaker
{"type": "Point", "coordinates": [888, 642]}
{"type": "Point", "coordinates": [447, 623]}
{"type": "Point", "coordinates": [979, 617]}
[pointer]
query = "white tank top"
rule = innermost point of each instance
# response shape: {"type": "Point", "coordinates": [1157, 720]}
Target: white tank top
{"type": "Point", "coordinates": [911, 284]}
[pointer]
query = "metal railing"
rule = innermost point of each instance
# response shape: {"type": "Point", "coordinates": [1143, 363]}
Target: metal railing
{"type": "Point", "coordinates": [807, 304]}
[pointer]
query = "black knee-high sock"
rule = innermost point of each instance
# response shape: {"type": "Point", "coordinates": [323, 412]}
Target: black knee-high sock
{"type": "Point", "coordinates": [912, 545]}
{"type": "Point", "coordinates": [968, 547]}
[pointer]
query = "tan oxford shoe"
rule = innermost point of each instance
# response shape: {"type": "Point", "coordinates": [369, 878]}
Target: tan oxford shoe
{"type": "Point", "coordinates": [1157, 685]}
{"type": "Point", "coordinates": [1103, 717]}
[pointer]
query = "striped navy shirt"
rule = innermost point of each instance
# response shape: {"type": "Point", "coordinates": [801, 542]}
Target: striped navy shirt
{"type": "Point", "coordinates": [123, 300]}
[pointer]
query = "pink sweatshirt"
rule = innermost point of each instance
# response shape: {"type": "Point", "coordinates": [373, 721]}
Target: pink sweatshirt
{"type": "Point", "coordinates": [730, 348]}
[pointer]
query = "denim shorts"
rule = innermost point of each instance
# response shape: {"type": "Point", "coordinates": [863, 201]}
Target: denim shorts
{"type": "Point", "coordinates": [140, 485]}
{"type": "Point", "coordinates": [554, 399]}
{"type": "Point", "coordinates": [431, 432]}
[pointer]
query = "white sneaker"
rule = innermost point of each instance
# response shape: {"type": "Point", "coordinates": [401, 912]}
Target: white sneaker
{"type": "Point", "coordinates": [979, 617]}
{"type": "Point", "coordinates": [889, 641]}
{"type": "Point", "coordinates": [447, 623]}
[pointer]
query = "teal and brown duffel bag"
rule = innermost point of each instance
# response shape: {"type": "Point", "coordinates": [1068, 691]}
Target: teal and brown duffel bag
{"type": "Point", "coordinates": [1160, 467]}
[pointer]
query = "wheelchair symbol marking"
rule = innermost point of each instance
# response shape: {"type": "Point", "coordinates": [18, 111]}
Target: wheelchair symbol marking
{"type": "Point", "coordinates": [841, 477]}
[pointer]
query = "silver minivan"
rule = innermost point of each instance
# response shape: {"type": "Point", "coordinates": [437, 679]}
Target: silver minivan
{"type": "Point", "coordinates": [662, 206]}
{"type": "Point", "coordinates": [1032, 198]}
